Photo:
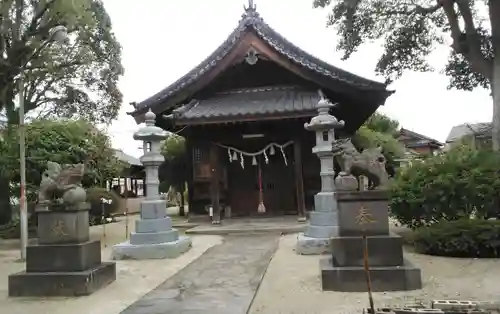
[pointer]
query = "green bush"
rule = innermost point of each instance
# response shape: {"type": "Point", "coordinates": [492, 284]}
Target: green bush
{"type": "Point", "coordinates": [460, 238]}
{"type": "Point", "coordinates": [459, 183]}
{"type": "Point", "coordinates": [94, 196]}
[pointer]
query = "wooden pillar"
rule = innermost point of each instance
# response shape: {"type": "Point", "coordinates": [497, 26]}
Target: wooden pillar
{"type": "Point", "coordinates": [125, 195]}
{"type": "Point", "coordinates": [299, 182]}
{"type": "Point", "coordinates": [190, 174]}
{"type": "Point", "coordinates": [119, 185]}
{"type": "Point", "coordinates": [214, 183]}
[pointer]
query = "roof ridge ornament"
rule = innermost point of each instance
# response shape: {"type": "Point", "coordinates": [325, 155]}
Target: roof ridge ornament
{"type": "Point", "coordinates": [250, 11]}
{"type": "Point", "coordinates": [251, 6]}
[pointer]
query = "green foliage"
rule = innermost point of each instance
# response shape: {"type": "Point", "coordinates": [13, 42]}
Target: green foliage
{"type": "Point", "coordinates": [460, 238]}
{"type": "Point", "coordinates": [173, 172]}
{"type": "Point", "coordinates": [97, 208]}
{"type": "Point", "coordinates": [174, 147]}
{"type": "Point", "coordinates": [382, 123]}
{"type": "Point", "coordinates": [366, 137]}
{"type": "Point", "coordinates": [379, 130]}
{"type": "Point", "coordinates": [459, 183]}
{"type": "Point", "coordinates": [78, 79]}
{"type": "Point", "coordinates": [412, 29]}
{"type": "Point", "coordinates": [65, 142]}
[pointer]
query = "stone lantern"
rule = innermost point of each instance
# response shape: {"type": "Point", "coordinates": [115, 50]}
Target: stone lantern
{"type": "Point", "coordinates": [323, 222]}
{"type": "Point", "coordinates": [154, 236]}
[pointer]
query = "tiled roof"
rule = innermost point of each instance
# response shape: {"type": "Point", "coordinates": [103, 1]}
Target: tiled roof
{"type": "Point", "coordinates": [414, 139]}
{"type": "Point", "coordinates": [251, 21]}
{"type": "Point", "coordinates": [250, 102]}
{"type": "Point", "coordinates": [461, 130]}
{"type": "Point", "coordinates": [131, 160]}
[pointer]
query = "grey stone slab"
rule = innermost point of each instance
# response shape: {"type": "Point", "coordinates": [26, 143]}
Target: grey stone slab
{"type": "Point", "coordinates": [153, 225]}
{"type": "Point", "coordinates": [321, 231]}
{"type": "Point", "coordinates": [325, 202]}
{"type": "Point", "coordinates": [47, 284]}
{"type": "Point", "coordinates": [353, 279]}
{"type": "Point", "coordinates": [323, 218]}
{"type": "Point", "coordinates": [382, 251]}
{"type": "Point", "coordinates": [312, 246]}
{"type": "Point", "coordinates": [223, 280]}
{"type": "Point", "coordinates": [172, 249]}
{"type": "Point", "coordinates": [376, 203]}
{"type": "Point", "coordinates": [63, 257]}
{"type": "Point", "coordinates": [153, 209]}
{"type": "Point", "coordinates": [63, 227]}
{"type": "Point", "coordinates": [154, 237]}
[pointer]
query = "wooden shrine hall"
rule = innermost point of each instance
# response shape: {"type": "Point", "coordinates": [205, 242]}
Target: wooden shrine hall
{"type": "Point", "coordinates": [242, 112]}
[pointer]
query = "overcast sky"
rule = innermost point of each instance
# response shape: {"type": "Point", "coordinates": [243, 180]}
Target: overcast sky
{"type": "Point", "coordinates": [164, 39]}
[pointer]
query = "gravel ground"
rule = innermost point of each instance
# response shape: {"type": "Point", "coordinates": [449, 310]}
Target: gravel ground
{"type": "Point", "coordinates": [292, 284]}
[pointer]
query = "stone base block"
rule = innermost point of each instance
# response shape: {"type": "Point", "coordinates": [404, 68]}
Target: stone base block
{"type": "Point", "coordinates": [153, 209]}
{"type": "Point", "coordinates": [353, 279]}
{"type": "Point", "coordinates": [373, 202]}
{"type": "Point", "coordinates": [325, 202]}
{"type": "Point", "coordinates": [317, 218]}
{"type": "Point", "coordinates": [312, 246]}
{"type": "Point", "coordinates": [153, 225]}
{"type": "Point", "coordinates": [382, 251]}
{"type": "Point", "coordinates": [173, 249]}
{"type": "Point", "coordinates": [154, 237]}
{"type": "Point", "coordinates": [63, 257]}
{"type": "Point", "coordinates": [40, 284]}
{"type": "Point", "coordinates": [313, 231]}
{"type": "Point", "coordinates": [63, 226]}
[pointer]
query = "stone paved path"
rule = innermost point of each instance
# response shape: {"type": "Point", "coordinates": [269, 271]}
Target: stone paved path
{"type": "Point", "coordinates": [223, 280]}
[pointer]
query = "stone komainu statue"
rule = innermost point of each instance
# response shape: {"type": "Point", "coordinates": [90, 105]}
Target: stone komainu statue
{"type": "Point", "coordinates": [62, 184]}
{"type": "Point", "coordinates": [370, 163]}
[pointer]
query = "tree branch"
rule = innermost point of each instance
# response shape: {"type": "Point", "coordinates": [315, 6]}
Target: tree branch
{"type": "Point", "coordinates": [416, 8]}
{"type": "Point", "coordinates": [39, 12]}
{"type": "Point", "coordinates": [467, 44]}
{"type": "Point", "coordinates": [494, 13]}
{"type": "Point", "coordinates": [427, 10]}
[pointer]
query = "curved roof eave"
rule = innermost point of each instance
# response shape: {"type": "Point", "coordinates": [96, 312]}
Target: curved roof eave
{"type": "Point", "coordinates": [251, 19]}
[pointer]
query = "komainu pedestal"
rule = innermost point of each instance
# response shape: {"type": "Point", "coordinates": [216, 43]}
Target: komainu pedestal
{"type": "Point", "coordinates": [344, 270]}
{"type": "Point", "coordinates": [64, 262]}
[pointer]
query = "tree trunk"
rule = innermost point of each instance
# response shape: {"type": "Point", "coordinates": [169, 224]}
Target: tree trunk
{"type": "Point", "coordinates": [182, 213]}
{"type": "Point", "coordinates": [7, 103]}
{"type": "Point", "coordinates": [5, 208]}
{"type": "Point", "coordinates": [495, 89]}
{"type": "Point", "coordinates": [494, 12]}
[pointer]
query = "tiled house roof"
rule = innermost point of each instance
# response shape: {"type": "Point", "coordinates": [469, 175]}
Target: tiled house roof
{"type": "Point", "coordinates": [131, 160]}
{"type": "Point", "coordinates": [461, 130]}
{"type": "Point", "coordinates": [413, 139]}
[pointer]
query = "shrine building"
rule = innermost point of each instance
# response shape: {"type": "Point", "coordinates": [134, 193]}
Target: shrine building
{"type": "Point", "coordinates": [242, 112]}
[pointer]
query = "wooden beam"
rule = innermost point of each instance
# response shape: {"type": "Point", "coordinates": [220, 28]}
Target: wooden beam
{"type": "Point", "coordinates": [299, 181]}
{"type": "Point", "coordinates": [214, 183]}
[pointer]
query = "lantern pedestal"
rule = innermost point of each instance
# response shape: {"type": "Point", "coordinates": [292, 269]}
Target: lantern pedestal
{"type": "Point", "coordinates": [323, 221]}
{"type": "Point", "coordinates": [154, 237]}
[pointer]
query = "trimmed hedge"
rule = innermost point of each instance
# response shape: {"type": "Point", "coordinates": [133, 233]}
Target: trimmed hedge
{"type": "Point", "coordinates": [460, 183]}
{"type": "Point", "coordinates": [94, 196]}
{"type": "Point", "coordinates": [460, 238]}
